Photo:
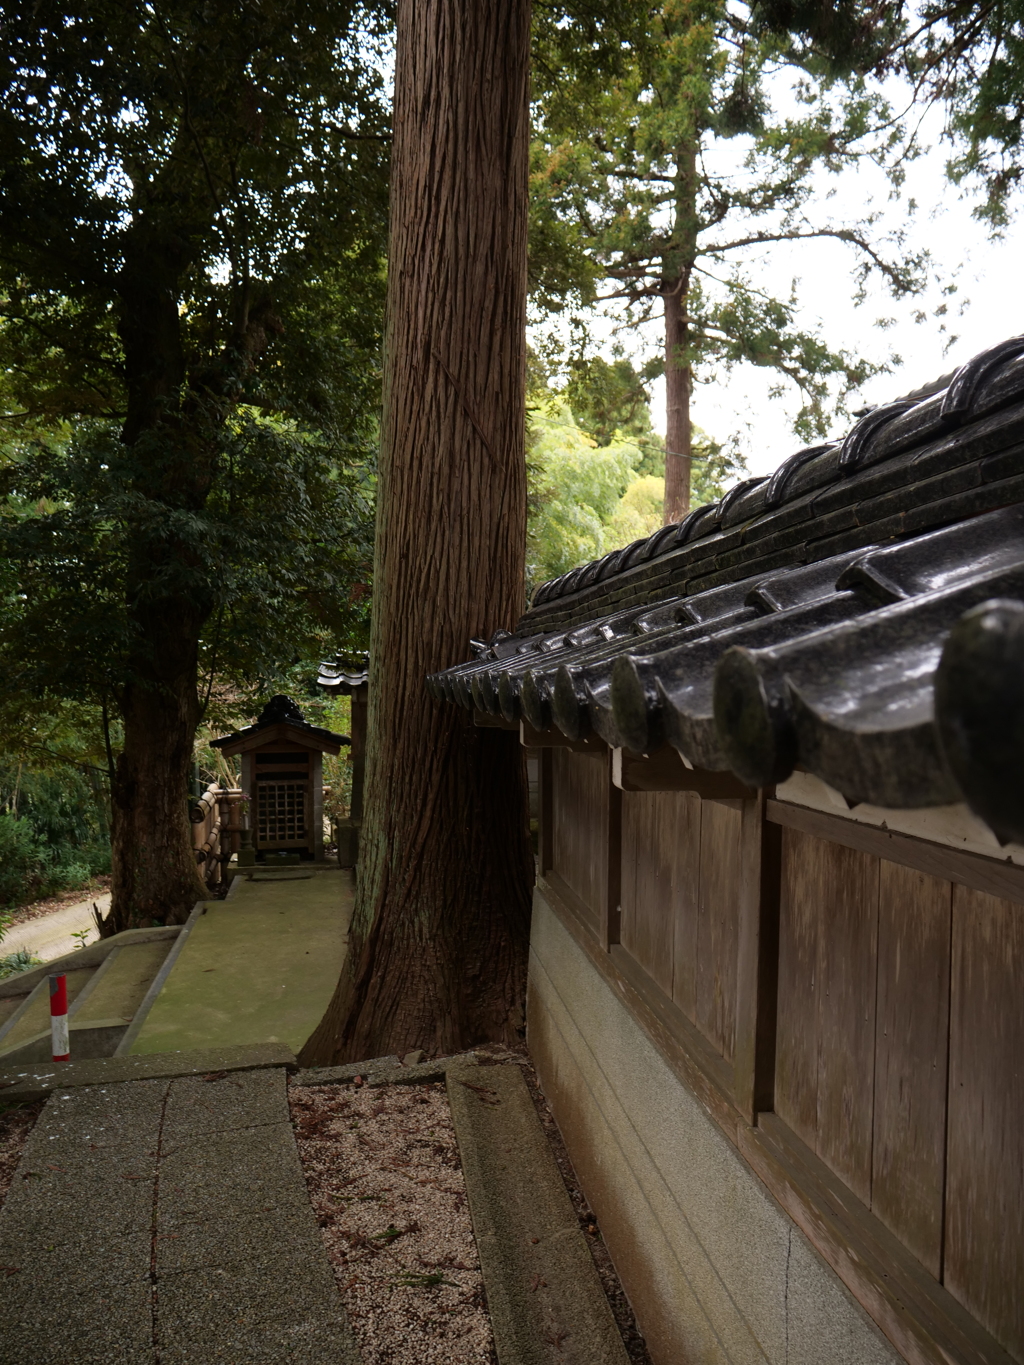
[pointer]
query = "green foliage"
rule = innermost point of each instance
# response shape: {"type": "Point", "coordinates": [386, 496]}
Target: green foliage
{"type": "Point", "coordinates": [970, 57]}
{"type": "Point", "coordinates": [237, 151]}
{"type": "Point", "coordinates": [639, 511]}
{"type": "Point", "coordinates": [192, 228]}
{"type": "Point", "coordinates": [575, 488]}
{"type": "Point", "coordinates": [53, 832]}
{"type": "Point", "coordinates": [625, 197]}
{"type": "Point", "coordinates": [715, 469]}
{"type": "Point", "coordinates": [966, 56]}
{"type": "Point", "coordinates": [17, 962]}
{"type": "Point", "coordinates": [611, 399]}
{"type": "Point", "coordinates": [590, 451]}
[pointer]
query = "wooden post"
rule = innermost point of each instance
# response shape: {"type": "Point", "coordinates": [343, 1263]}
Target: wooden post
{"type": "Point", "coordinates": [757, 960]}
{"type": "Point", "coordinates": [611, 918]}
{"type": "Point", "coordinates": [546, 822]}
{"type": "Point", "coordinates": [358, 737]}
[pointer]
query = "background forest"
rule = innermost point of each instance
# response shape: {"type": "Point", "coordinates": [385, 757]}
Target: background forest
{"type": "Point", "coordinates": [193, 241]}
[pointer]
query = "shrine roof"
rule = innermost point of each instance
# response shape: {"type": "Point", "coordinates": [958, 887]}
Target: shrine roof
{"type": "Point", "coordinates": [801, 621]}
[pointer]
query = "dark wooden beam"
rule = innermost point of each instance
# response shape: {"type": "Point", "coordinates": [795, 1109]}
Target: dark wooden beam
{"type": "Point", "coordinates": [554, 739]}
{"type": "Point", "coordinates": [665, 771]}
{"type": "Point", "coordinates": [611, 918]}
{"type": "Point", "coordinates": [489, 722]}
{"type": "Point", "coordinates": [973, 870]}
{"type": "Point", "coordinates": [757, 959]}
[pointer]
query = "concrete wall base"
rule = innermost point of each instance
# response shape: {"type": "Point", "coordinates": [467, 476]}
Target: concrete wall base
{"type": "Point", "coordinates": [715, 1270]}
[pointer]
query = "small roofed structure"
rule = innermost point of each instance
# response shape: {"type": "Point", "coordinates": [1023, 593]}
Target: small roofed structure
{"type": "Point", "coordinates": [282, 770]}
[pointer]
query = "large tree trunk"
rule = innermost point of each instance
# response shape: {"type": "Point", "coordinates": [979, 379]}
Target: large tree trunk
{"type": "Point", "coordinates": [154, 869]}
{"type": "Point", "coordinates": [678, 381]}
{"type": "Point", "coordinates": [154, 875]}
{"type": "Point", "coordinates": [437, 949]}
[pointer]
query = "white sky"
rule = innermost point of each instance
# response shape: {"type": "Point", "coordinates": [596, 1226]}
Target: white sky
{"type": "Point", "coordinates": [986, 309]}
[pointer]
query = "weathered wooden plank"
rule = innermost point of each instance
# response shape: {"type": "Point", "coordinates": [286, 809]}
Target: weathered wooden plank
{"type": "Point", "coordinates": [847, 965]}
{"type": "Point", "coordinates": [925, 1323]}
{"type": "Point", "coordinates": [796, 1056]}
{"type": "Point", "coordinates": [757, 960]}
{"type": "Point", "coordinates": [911, 1043]}
{"type": "Point", "coordinates": [717, 923]}
{"type": "Point", "coordinates": [686, 902]}
{"type": "Point", "coordinates": [984, 1246]}
{"type": "Point", "coordinates": [648, 874]}
{"type": "Point", "coordinates": [991, 875]}
{"type": "Point", "coordinates": [580, 849]}
{"type": "Point", "coordinates": [660, 861]}
{"type": "Point", "coordinates": [690, 1056]}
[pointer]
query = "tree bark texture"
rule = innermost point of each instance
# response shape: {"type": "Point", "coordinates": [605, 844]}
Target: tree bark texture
{"type": "Point", "coordinates": [678, 383]}
{"type": "Point", "coordinates": [438, 945]}
{"type": "Point", "coordinates": [154, 873]}
{"type": "Point", "coordinates": [677, 274]}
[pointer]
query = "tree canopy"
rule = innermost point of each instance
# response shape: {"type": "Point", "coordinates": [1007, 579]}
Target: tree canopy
{"type": "Point", "coordinates": [654, 189]}
{"type": "Point", "coordinates": [192, 225]}
{"type": "Point", "coordinates": [967, 57]}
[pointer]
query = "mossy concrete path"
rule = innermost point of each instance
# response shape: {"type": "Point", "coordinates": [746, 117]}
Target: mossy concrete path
{"type": "Point", "coordinates": [258, 967]}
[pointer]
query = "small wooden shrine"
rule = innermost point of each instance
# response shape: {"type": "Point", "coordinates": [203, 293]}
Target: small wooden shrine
{"type": "Point", "coordinates": [282, 771]}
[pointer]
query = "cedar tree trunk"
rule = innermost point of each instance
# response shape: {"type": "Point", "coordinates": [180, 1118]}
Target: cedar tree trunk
{"type": "Point", "coordinates": [678, 380]}
{"type": "Point", "coordinates": [438, 945]}
{"type": "Point", "coordinates": [677, 271]}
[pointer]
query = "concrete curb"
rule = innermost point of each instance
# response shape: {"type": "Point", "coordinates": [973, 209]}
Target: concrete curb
{"type": "Point", "coordinates": [385, 1071]}
{"type": "Point", "coordinates": [34, 1083]}
{"type": "Point", "coordinates": [157, 984]}
{"type": "Point", "coordinates": [543, 1293]}
{"type": "Point", "coordinates": [25, 982]}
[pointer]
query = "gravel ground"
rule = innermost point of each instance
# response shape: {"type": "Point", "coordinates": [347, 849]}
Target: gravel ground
{"type": "Point", "coordinates": [15, 1125]}
{"type": "Point", "coordinates": [383, 1172]}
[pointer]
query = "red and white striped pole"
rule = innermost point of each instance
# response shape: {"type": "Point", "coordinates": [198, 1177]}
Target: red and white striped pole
{"type": "Point", "coordinates": [59, 1018]}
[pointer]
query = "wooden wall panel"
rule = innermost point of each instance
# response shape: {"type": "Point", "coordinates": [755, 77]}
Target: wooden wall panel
{"type": "Point", "coordinates": [717, 923]}
{"type": "Point", "coordinates": [660, 853]}
{"type": "Point", "coordinates": [848, 948]}
{"type": "Point", "coordinates": [580, 795]}
{"type": "Point", "coordinates": [687, 905]}
{"type": "Point", "coordinates": [984, 1254]}
{"type": "Point", "coordinates": [802, 893]}
{"type": "Point", "coordinates": [911, 1044]}
{"type": "Point", "coordinates": [826, 1010]}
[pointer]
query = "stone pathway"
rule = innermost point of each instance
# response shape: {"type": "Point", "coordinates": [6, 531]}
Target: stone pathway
{"type": "Point", "coordinates": [160, 1216]}
{"type": "Point", "coordinates": [166, 1221]}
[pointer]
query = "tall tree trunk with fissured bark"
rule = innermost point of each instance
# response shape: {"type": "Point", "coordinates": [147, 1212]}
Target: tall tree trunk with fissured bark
{"type": "Point", "coordinates": [439, 938]}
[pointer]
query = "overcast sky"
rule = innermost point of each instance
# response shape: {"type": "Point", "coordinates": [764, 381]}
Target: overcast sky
{"type": "Point", "coordinates": [987, 308]}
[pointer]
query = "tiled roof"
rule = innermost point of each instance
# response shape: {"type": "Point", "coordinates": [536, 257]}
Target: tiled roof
{"type": "Point", "coordinates": [801, 620]}
{"type": "Point", "coordinates": [281, 710]}
{"type": "Point", "coordinates": [343, 674]}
